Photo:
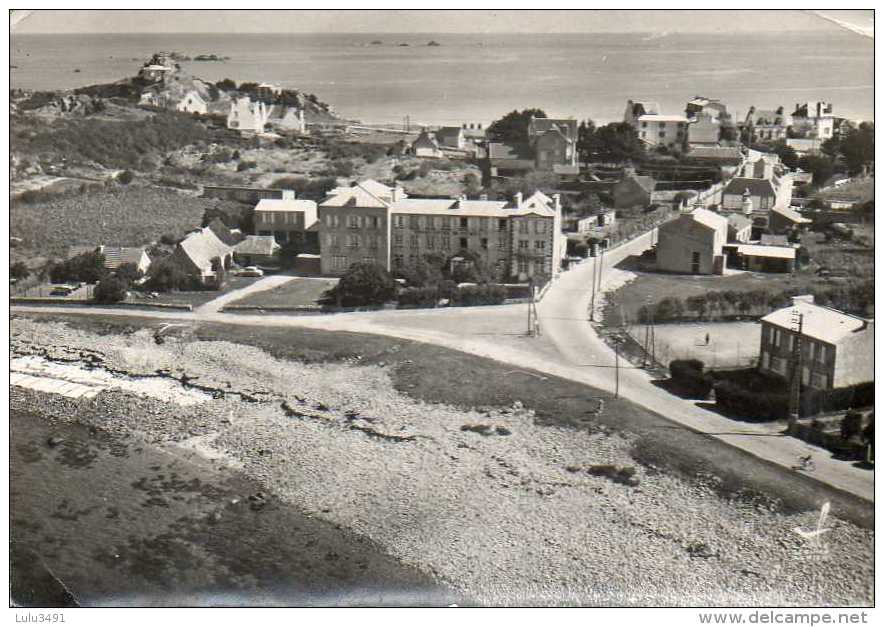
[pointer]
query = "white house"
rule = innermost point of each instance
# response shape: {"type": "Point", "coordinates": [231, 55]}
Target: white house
{"type": "Point", "coordinates": [248, 116]}
{"type": "Point", "coordinates": [192, 102]}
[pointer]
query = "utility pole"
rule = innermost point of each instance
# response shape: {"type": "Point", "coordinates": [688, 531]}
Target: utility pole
{"type": "Point", "coordinates": [592, 302]}
{"type": "Point", "coordinates": [531, 312]}
{"type": "Point", "coordinates": [617, 368]}
{"type": "Point", "coordinates": [795, 392]}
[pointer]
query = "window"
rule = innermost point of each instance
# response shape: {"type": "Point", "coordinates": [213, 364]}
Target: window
{"type": "Point", "coordinates": [644, 125]}
{"type": "Point", "coordinates": [523, 266]}
{"type": "Point", "coordinates": [779, 365]}
{"type": "Point", "coordinates": [353, 241]}
{"type": "Point", "coordinates": [446, 243]}
{"type": "Point", "coordinates": [485, 243]}
{"type": "Point", "coordinates": [821, 355]}
{"type": "Point", "coordinates": [483, 224]}
{"type": "Point", "coordinates": [662, 124]}
{"type": "Point", "coordinates": [332, 240]}
{"type": "Point", "coordinates": [354, 222]}
{"type": "Point", "coordinates": [776, 337]}
{"type": "Point", "coordinates": [339, 263]}
{"type": "Point", "coordinates": [523, 244]}
{"type": "Point", "coordinates": [819, 380]}
{"type": "Point", "coordinates": [523, 226]}
{"type": "Point", "coordinates": [788, 342]}
{"type": "Point", "coordinates": [399, 222]}
{"type": "Point", "coordinates": [431, 242]}
{"type": "Point", "coordinates": [463, 242]}
{"type": "Point", "coordinates": [501, 224]}
{"type": "Point", "coordinates": [540, 245]}
{"type": "Point", "coordinates": [437, 222]}
{"type": "Point", "coordinates": [373, 242]}
{"type": "Point", "coordinates": [397, 240]}
{"type": "Point", "coordinates": [463, 224]}
{"type": "Point", "coordinates": [422, 222]}
{"type": "Point", "coordinates": [662, 133]}
{"type": "Point", "coordinates": [412, 241]}
{"type": "Point", "coordinates": [446, 224]}
{"type": "Point", "coordinates": [765, 360]}
{"type": "Point", "coordinates": [398, 261]}
{"type": "Point", "coordinates": [413, 222]}
{"type": "Point", "coordinates": [805, 376]}
{"type": "Point", "coordinates": [540, 226]}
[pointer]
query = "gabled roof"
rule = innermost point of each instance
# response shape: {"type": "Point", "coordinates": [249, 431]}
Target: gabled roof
{"type": "Point", "coordinates": [568, 128]}
{"type": "Point", "coordinates": [756, 187]}
{"type": "Point", "coordinates": [257, 245]}
{"type": "Point", "coordinates": [738, 222]}
{"type": "Point", "coordinates": [222, 232]}
{"type": "Point", "coordinates": [791, 214]}
{"type": "Point", "coordinates": [647, 183]}
{"type": "Point", "coordinates": [821, 323]}
{"type": "Point", "coordinates": [709, 219]}
{"type": "Point", "coordinates": [359, 195]}
{"type": "Point", "coordinates": [203, 246]}
{"type": "Point", "coordinates": [114, 256]}
{"type": "Point", "coordinates": [776, 252]}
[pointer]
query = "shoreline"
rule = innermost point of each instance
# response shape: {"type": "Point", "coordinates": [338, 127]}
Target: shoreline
{"type": "Point", "coordinates": [495, 515]}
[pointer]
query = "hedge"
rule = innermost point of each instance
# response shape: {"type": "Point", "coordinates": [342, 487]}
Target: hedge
{"type": "Point", "coordinates": [488, 294]}
{"type": "Point", "coordinates": [688, 375]}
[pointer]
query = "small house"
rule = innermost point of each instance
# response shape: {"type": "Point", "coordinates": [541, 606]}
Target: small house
{"type": "Point", "coordinates": [693, 243]}
{"type": "Point", "coordinates": [633, 190]}
{"type": "Point", "coordinates": [115, 256]}
{"type": "Point", "coordinates": [257, 250]}
{"type": "Point", "coordinates": [192, 102]}
{"type": "Point", "coordinates": [203, 255]}
{"type": "Point", "coordinates": [758, 258]}
{"type": "Point", "coordinates": [785, 219]}
{"type": "Point", "coordinates": [426, 145]}
{"type": "Point", "coordinates": [451, 137]}
{"type": "Point", "coordinates": [247, 116]}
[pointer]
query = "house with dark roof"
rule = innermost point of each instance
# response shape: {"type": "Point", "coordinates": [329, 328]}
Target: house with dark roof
{"type": "Point", "coordinates": [785, 219]}
{"type": "Point", "coordinates": [426, 145]}
{"type": "Point", "coordinates": [761, 192]}
{"type": "Point", "coordinates": [451, 137]}
{"type": "Point", "coordinates": [633, 190]}
{"type": "Point", "coordinates": [115, 256]}
{"type": "Point", "coordinates": [764, 125]}
{"type": "Point", "coordinates": [203, 255]}
{"type": "Point", "coordinates": [257, 250]}
{"type": "Point", "coordinates": [509, 159]}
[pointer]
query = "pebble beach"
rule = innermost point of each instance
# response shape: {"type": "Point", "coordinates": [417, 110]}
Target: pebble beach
{"type": "Point", "coordinates": [484, 501]}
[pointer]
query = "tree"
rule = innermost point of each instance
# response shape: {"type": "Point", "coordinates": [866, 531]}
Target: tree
{"type": "Point", "coordinates": [129, 272]}
{"type": "Point", "coordinates": [364, 284]}
{"type": "Point", "coordinates": [472, 183]}
{"type": "Point", "coordinates": [471, 268]}
{"type": "Point", "coordinates": [787, 155]}
{"type": "Point", "coordinates": [858, 147]}
{"type": "Point", "coordinates": [125, 177]}
{"type": "Point", "coordinates": [288, 254]}
{"type": "Point", "coordinates": [513, 127]}
{"type": "Point", "coordinates": [586, 140]}
{"type": "Point", "coordinates": [167, 275]}
{"type": "Point", "coordinates": [19, 270]}
{"type": "Point", "coordinates": [530, 183]}
{"type": "Point", "coordinates": [86, 267]}
{"type": "Point", "coordinates": [851, 424]}
{"type": "Point", "coordinates": [426, 272]}
{"type": "Point", "coordinates": [617, 142]}
{"type": "Point", "coordinates": [820, 167]}
{"type": "Point", "coordinates": [111, 289]}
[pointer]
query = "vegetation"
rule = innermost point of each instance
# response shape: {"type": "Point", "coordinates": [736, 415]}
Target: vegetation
{"type": "Point", "coordinates": [128, 272]}
{"type": "Point", "coordinates": [364, 284]}
{"type": "Point", "coordinates": [616, 142]}
{"type": "Point", "coordinates": [86, 268]}
{"type": "Point", "coordinates": [851, 424]}
{"type": "Point", "coordinates": [312, 188]}
{"type": "Point", "coordinates": [111, 289]}
{"type": "Point", "coordinates": [856, 147]}
{"type": "Point", "coordinates": [132, 144]}
{"type": "Point", "coordinates": [19, 270]}
{"type": "Point", "coordinates": [168, 275]}
{"type": "Point", "coordinates": [688, 376]}
{"type": "Point", "coordinates": [513, 127]}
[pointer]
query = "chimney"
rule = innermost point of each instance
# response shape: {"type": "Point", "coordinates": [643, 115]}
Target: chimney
{"type": "Point", "coordinates": [288, 194]}
{"type": "Point", "coordinates": [518, 200]}
{"type": "Point", "coordinates": [804, 298]}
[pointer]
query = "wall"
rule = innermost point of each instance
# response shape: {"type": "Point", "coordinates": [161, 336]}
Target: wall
{"type": "Point", "coordinates": [855, 358]}
{"type": "Point", "coordinates": [337, 253]}
{"type": "Point", "coordinates": [677, 242]}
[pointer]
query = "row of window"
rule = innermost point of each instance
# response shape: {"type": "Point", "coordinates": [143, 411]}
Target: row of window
{"type": "Point", "coordinates": [340, 263]}
{"type": "Point", "coordinates": [780, 365]}
{"type": "Point", "coordinates": [333, 240]}
{"type": "Point", "coordinates": [663, 124]}
{"type": "Point", "coordinates": [437, 223]}
{"type": "Point", "coordinates": [270, 217]}
{"type": "Point", "coordinates": [815, 351]}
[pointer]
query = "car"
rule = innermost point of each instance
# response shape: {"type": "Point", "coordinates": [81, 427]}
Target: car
{"type": "Point", "coordinates": [63, 290]}
{"type": "Point", "coordinates": [250, 271]}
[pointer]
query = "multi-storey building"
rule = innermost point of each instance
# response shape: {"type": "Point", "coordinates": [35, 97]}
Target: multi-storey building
{"type": "Point", "coordinates": [370, 222]}
{"type": "Point", "coordinates": [813, 120]}
{"type": "Point", "coordinates": [837, 349]}
{"type": "Point", "coordinates": [286, 219]}
{"type": "Point", "coordinates": [653, 128]}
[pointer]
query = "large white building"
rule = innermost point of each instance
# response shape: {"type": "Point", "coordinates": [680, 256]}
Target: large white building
{"type": "Point", "coordinates": [654, 128]}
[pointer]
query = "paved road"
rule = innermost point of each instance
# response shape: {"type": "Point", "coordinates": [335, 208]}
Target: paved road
{"type": "Point", "coordinates": [569, 348]}
{"type": "Point", "coordinates": [267, 283]}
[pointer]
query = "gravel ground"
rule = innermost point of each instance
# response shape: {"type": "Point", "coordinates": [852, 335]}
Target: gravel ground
{"type": "Point", "coordinates": [504, 511]}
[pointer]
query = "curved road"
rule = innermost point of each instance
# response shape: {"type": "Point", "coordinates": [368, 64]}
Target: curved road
{"type": "Point", "coordinates": [569, 348]}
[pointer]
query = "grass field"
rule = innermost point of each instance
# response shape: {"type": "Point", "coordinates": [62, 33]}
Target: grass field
{"type": "Point", "coordinates": [731, 344]}
{"type": "Point", "coordinates": [195, 299]}
{"type": "Point", "coordinates": [296, 293]}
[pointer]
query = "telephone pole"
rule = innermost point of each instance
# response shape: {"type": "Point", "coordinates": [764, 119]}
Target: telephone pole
{"type": "Point", "coordinates": [795, 391]}
{"type": "Point", "coordinates": [592, 302]}
{"type": "Point", "coordinates": [617, 368]}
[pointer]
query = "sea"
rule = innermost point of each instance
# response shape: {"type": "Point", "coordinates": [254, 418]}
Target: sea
{"type": "Point", "coordinates": [475, 78]}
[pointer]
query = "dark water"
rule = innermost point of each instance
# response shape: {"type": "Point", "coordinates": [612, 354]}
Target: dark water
{"type": "Point", "coordinates": [120, 523]}
{"type": "Point", "coordinates": [478, 77]}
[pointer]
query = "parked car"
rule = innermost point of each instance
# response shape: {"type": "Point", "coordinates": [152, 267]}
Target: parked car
{"type": "Point", "coordinates": [250, 271]}
{"type": "Point", "coordinates": [63, 290]}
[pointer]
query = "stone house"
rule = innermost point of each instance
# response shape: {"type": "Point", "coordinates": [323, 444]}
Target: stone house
{"type": "Point", "coordinates": [426, 145]}
{"type": "Point", "coordinates": [693, 243]}
{"type": "Point", "coordinates": [115, 256]}
{"type": "Point", "coordinates": [287, 220]}
{"type": "Point", "coordinates": [654, 128]}
{"type": "Point", "coordinates": [633, 190]}
{"type": "Point", "coordinates": [203, 255]}
{"type": "Point", "coordinates": [257, 250]}
{"type": "Point", "coordinates": [451, 137]}
{"type": "Point", "coordinates": [837, 349]}
{"type": "Point", "coordinates": [518, 238]}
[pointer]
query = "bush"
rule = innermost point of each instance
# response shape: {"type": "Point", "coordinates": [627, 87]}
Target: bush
{"type": "Point", "coordinates": [246, 165]}
{"type": "Point", "coordinates": [19, 270]}
{"type": "Point", "coordinates": [418, 297]}
{"type": "Point", "coordinates": [751, 404]}
{"type": "Point", "coordinates": [128, 272]}
{"type": "Point", "coordinates": [169, 239]}
{"type": "Point", "coordinates": [110, 290]}
{"type": "Point", "coordinates": [125, 177]}
{"type": "Point", "coordinates": [473, 295]}
{"type": "Point", "coordinates": [364, 284]}
{"type": "Point", "coordinates": [851, 424]}
{"type": "Point", "coordinates": [87, 267]}
{"type": "Point", "coordinates": [689, 377]}
{"type": "Point", "coordinates": [168, 275]}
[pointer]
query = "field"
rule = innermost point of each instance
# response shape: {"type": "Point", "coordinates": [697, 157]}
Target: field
{"type": "Point", "coordinates": [296, 293]}
{"type": "Point", "coordinates": [123, 216]}
{"type": "Point", "coordinates": [731, 344]}
{"type": "Point", "coordinates": [195, 299]}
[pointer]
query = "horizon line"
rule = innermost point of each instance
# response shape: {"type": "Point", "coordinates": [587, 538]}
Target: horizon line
{"type": "Point", "coordinates": [412, 33]}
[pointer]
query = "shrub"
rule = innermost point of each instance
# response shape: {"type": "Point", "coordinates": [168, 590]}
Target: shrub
{"type": "Point", "coordinates": [581, 249]}
{"type": "Point", "coordinates": [364, 284]}
{"type": "Point", "coordinates": [111, 289]}
{"type": "Point", "coordinates": [125, 177]}
{"type": "Point", "coordinates": [246, 165]}
{"type": "Point", "coordinates": [473, 295]}
{"type": "Point", "coordinates": [418, 297]}
{"type": "Point", "coordinates": [689, 377]}
{"type": "Point", "coordinates": [618, 474]}
{"type": "Point", "coordinates": [751, 404]}
{"type": "Point", "coordinates": [851, 424]}
{"type": "Point", "coordinates": [128, 272]}
{"type": "Point", "coordinates": [168, 275]}
{"type": "Point", "coordinates": [169, 239]}
{"type": "Point", "coordinates": [87, 267]}
{"type": "Point", "coordinates": [19, 270]}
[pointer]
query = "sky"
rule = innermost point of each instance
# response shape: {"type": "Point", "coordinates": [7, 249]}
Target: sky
{"type": "Point", "coordinates": [432, 21]}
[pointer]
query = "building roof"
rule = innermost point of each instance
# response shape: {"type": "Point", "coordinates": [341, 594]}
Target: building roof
{"type": "Point", "coordinates": [791, 214]}
{"type": "Point", "coordinates": [768, 239]}
{"type": "Point", "coordinates": [756, 187]}
{"type": "Point", "coordinates": [648, 107]}
{"type": "Point", "coordinates": [203, 246]}
{"type": "Point", "coordinates": [757, 250]}
{"type": "Point", "coordinates": [499, 150]}
{"type": "Point", "coordinates": [762, 117]}
{"type": "Point", "coordinates": [656, 117]}
{"type": "Point", "coordinates": [257, 245]}
{"type": "Point", "coordinates": [449, 132]}
{"type": "Point", "coordinates": [472, 208]}
{"type": "Point", "coordinates": [368, 193]}
{"type": "Point", "coordinates": [715, 152]}
{"type": "Point", "coordinates": [425, 138]}
{"type": "Point", "coordinates": [709, 218]}
{"type": "Point", "coordinates": [738, 222]}
{"type": "Point", "coordinates": [114, 256]}
{"type": "Point", "coordinates": [287, 205]}
{"type": "Point", "coordinates": [568, 128]}
{"type": "Point", "coordinates": [647, 183]}
{"type": "Point", "coordinates": [820, 323]}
